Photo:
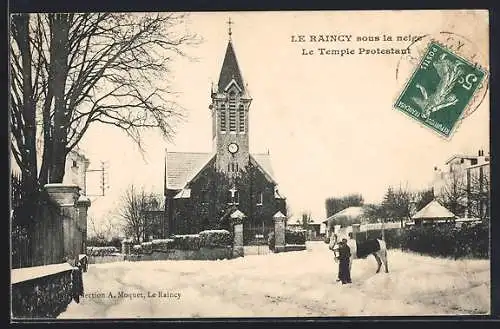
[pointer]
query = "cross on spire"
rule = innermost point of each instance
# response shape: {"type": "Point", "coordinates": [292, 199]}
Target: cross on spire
{"type": "Point", "coordinates": [229, 22]}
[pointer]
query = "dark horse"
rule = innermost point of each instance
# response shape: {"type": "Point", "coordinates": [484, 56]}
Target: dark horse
{"type": "Point", "coordinates": [375, 247]}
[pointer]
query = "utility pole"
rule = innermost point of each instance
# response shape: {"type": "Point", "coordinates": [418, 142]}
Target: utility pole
{"type": "Point", "coordinates": [103, 184]}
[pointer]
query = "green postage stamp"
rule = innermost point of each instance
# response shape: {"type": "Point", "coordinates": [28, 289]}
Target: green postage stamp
{"type": "Point", "coordinates": [440, 89]}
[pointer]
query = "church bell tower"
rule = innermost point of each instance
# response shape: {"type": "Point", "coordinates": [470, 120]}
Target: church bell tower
{"type": "Point", "coordinates": [230, 105]}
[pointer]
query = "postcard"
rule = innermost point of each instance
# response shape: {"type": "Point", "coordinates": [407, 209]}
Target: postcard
{"type": "Point", "coordinates": [191, 165]}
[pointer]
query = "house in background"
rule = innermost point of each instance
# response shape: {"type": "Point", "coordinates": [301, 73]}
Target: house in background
{"type": "Point", "coordinates": [315, 229]}
{"type": "Point", "coordinates": [470, 173]}
{"type": "Point", "coordinates": [75, 168]}
{"type": "Point", "coordinates": [77, 165]}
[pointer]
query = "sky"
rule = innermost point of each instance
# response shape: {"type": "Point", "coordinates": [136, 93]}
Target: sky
{"type": "Point", "coordinates": [327, 120]}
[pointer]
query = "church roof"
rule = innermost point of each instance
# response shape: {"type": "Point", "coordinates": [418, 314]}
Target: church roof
{"type": "Point", "coordinates": [230, 70]}
{"type": "Point", "coordinates": [182, 167]}
{"type": "Point", "coordinates": [264, 162]}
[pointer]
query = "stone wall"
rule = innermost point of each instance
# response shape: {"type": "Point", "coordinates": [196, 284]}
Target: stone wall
{"type": "Point", "coordinates": [178, 254]}
{"type": "Point", "coordinates": [106, 259]}
{"type": "Point", "coordinates": [44, 291]}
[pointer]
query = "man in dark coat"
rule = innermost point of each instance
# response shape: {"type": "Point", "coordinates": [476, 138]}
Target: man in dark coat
{"type": "Point", "coordinates": [344, 257]}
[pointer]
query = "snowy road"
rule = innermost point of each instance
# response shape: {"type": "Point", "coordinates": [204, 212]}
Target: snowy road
{"type": "Point", "coordinates": [298, 283]}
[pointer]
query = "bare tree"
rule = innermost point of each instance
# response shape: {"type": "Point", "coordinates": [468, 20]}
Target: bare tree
{"type": "Point", "coordinates": [478, 194]}
{"type": "Point", "coordinates": [305, 220]}
{"type": "Point", "coordinates": [104, 230]}
{"type": "Point", "coordinates": [69, 71]}
{"type": "Point", "coordinates": [133, 212]}
{"type": "Point", "coordinates": [23, 110]}
{"type": "Point", "coordinates": [453, 194]}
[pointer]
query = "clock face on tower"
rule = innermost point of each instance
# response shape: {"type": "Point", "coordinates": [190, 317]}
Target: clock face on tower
{"type": "Point", "coordinates": [232, 148]}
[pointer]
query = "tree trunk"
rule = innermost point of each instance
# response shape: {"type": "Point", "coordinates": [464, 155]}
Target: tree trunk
{"type": "Point", "coordinates": [59, 52]}
{"type": "Point", "coordinates": [29, 175]}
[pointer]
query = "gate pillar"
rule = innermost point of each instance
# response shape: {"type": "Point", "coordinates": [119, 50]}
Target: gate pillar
{"type": "Point", "coordinates": [279, 232]}
{"type": "Point", "coordinates": [237, 218]}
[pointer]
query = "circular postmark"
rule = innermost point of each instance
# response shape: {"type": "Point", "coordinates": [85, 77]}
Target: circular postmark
{"type": "Point", "coordinates": [455, 43]}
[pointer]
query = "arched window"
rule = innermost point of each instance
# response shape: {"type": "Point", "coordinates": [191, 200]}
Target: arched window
{"type": "Point", "coordinates": [232, 111]}
{"type": "Point", "coordinates": [260, 199]}
{"type": "Point", "coordinates": [222, 117]}
{"type": "Point", "coordinates": [242, 118]}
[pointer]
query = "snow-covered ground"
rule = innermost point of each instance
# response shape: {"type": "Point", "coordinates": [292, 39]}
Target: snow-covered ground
{"type": "Point", "coordinates": [301, 283]}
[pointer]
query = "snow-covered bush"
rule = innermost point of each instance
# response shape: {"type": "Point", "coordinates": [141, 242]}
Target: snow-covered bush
{"type": "Point", "coordinates": [186, 242]}
{"type": "Point", "coordinates": [101, 251]}
{"type": "Point", "coordinates": [162, 244]}
{"type": "Point", "coordinates": [215, 238]}
{"type": "Point", "coordinates": [147, 247]}
{"type": "Point", "coordinates": [448, 241]}
{"type": "Point", "coordinates": [137, 249]}
{"type": "Point", "coordinates": [392, 236]}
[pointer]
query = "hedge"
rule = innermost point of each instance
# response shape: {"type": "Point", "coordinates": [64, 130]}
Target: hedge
{"type": "Point", "coordinates": [392, 237]}
{"type": "Point", "coordinates": [215, 238]}
{"type": "Point", "coordinates": [101, 251]}
{"type": "Point", "coordinates": [206, 239]}
{"type": "Point", "coordinates": [448, 241]}
{"type": "Point", "coordinates": [162, 244]}
{"type": "Point", "coordinates": [147, 247]}
{"type": "Point", "coordinates": [136, 249]}
{"type": "Point", "coordinates": [439, 240]}
{"type": "Point", "coordinates": [186, 242]}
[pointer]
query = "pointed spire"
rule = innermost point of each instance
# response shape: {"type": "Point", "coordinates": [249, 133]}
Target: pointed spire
{"type": "Point", "coordinates": [230, 69]}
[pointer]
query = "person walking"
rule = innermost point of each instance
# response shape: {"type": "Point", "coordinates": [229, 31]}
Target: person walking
{"type": "Point", "coordinates": [344, 262]}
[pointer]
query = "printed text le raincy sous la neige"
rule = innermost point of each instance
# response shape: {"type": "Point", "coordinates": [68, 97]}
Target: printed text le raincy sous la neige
{"type": "Point", "coordinates": [342, 44]}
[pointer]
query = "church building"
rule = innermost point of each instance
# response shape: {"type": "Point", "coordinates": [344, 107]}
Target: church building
{"type": "Point", "coordinates": [203, 190]}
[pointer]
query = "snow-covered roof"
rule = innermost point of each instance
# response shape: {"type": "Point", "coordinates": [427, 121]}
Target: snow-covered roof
{"type": "Point", "coordinates": [182, 167]}
{"type": "Point", "coordinates": [279, 214]}
{"type": "Point", "coordinates": [263, 162]}
{"type": "Point", "coordinates": [350, 212]}
{"type": "Point", "coordinates": [461, 156]}
{"type": "Point", "coordinates": [238, 214]}
{"type": "Point", "coordinates": [433, 210]}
